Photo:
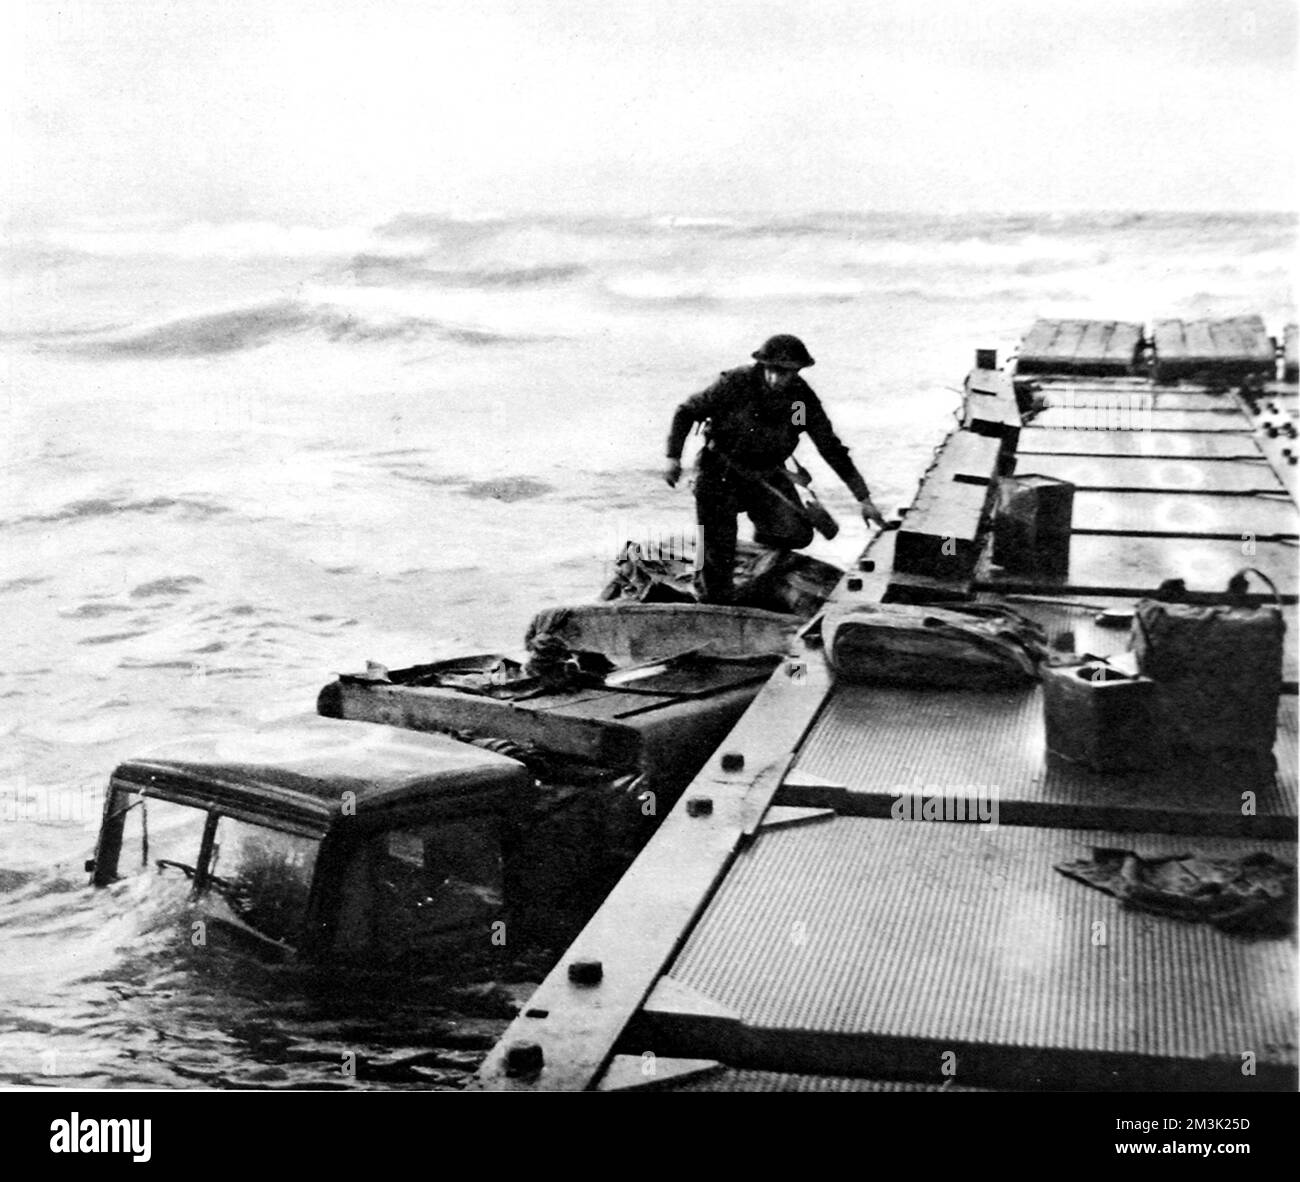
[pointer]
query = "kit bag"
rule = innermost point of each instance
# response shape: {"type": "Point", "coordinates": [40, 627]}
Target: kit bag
{"type": "Point", "coordinates": [1217, 672]}
{"type": "Point", "coordinates": [973, 646]}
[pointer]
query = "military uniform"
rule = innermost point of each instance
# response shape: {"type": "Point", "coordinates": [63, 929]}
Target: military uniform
{"type": "Point", "coordinates": [752, 429]}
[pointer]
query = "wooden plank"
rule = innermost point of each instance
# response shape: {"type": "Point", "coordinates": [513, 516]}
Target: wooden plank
{"type": "Point", "coordinates": [967, 457]}
{"type": "Point", "coordinates": [939, 535]}
{"type": "Point", "coordinates": [1092, 341]}
{"type": "Point", "coordinates": [996, 382]}
{"type": "Point", "coordinates": [1079, 346]}
{"type": "Point", "coordinates": [605, 706]}
{"type": "Point", "coordinates": [953, 511]}
{"type": "Point", "coordinates": [991, 407]}
{"type": "Point", "coordinates": [1253, 340]}
{"type": "Point", "coordinates": [1122, 347]}
{"type": "Point", "coordinates": [1237, 337]}
{"type": "Point", "coordinates": [1067, 340]}
{"type": "Point", "coordinates": [1170, 340]}
{"type": "Point", "coordinates": [647, 915]}
{"type": "Point", "coordinates": [1200, 341]}
{"type": "Point", "coordinates": [1230, 348]}
{"type": "Point", "coordinates": [609, 744]}
{"type": "Point", "coordinates": [1039, 340]}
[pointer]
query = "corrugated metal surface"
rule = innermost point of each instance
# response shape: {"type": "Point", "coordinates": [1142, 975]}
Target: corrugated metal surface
{"type": "Point", "coordinates": [1103, 565]}
{"type": "Point", "coordinates": [1220, 445]}
{"type": "Point", "coordinates": [956, 935]}
{"type": "Point", "coordinates": [854, 952]}
{"type": "Point", "coordinates": [880, 742]}
{"type": "Point", "coordinates": [1186, 514]}
{"type": "Point", "coordinates": [730, 1079]}
{"type": "Point", "coordinates": [1154, 475]}
{"type": "Point", "coordinates": [1085, 419]}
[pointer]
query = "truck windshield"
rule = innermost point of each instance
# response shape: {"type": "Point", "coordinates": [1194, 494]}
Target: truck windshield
{"type": "Point", "coordinates": [407, 889]}
{"type": "Point", "coordinates": [264, 874]}
{"type": "Point", "coordinates": [158, 833]}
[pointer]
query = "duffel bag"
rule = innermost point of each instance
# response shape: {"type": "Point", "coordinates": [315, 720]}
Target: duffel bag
{"type": "Point", "coordinates": [975, 645]}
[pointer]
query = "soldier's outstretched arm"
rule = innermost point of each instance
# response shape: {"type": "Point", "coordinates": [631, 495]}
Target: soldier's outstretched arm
{"type": "Point", "coordinates": [833, 451]}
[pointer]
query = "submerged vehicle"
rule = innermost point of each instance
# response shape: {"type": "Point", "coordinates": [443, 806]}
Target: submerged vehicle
{"type": "Point", "coordinates": [438, 806]}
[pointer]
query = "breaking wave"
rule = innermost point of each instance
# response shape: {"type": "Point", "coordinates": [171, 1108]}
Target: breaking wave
{"type": "Point", "coordinates": [234, 330]}
{"type": "Point", "coordinates": [493, 279]}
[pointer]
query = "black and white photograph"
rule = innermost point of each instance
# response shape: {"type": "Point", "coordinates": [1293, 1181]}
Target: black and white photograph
{"type": "Point", "coordinates": [560, 546]}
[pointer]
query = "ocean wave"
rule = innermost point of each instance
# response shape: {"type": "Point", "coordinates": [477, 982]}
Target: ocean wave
{"type": "Point", "coordinates": [251, 326]}
{"type": "Point", "coordinates": [94, 507]}
{"type": "Point", "coordinates": [653, 286]}
{"type": "Point", "coordinates": [199, 335]}
{"type": "Point", "coordinates": [696, 222]}
{"type": "Point", "coordinates": [388, 269]}
{"type": "Point", "coordinates": [210, 240]}
{"type": "Point", "coordinates": [488, 280]}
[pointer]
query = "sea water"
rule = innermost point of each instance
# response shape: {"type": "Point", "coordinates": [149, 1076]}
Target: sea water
{"type": "Point", "coordinates": [239, 459]}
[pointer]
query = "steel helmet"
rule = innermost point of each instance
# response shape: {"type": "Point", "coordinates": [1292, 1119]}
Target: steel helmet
{"type": "Point", "coordinates": [784, 352]}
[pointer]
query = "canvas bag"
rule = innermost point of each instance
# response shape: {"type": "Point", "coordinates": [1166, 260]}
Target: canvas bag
{"type": "Point", "coordinates": [974, 646]}
{"type": "Point", "coordinates": [1217, 669]}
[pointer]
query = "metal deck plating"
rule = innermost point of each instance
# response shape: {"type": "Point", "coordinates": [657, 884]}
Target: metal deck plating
{"type": "Point", "coordinates": [783, 931]}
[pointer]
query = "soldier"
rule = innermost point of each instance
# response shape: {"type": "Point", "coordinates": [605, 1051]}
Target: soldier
{"type": "Point", "coordinates": [754, 416]}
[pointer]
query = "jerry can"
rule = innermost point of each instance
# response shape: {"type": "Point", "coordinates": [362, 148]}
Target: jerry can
{"type": "Point", "coordinates": [1100, 717]}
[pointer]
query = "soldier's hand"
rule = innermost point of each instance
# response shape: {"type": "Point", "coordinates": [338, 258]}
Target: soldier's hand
{"type": "Point", "coordinates": [871, 515]}
{"type": "Point", "coordinates": [673, 472]}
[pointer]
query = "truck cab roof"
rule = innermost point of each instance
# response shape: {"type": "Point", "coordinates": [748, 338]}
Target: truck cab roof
{"type": "Point", "coordinates": [306, 772]}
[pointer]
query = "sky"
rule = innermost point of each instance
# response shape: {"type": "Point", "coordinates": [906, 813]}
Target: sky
{"type": "Point", "coordinates": [325, 110]}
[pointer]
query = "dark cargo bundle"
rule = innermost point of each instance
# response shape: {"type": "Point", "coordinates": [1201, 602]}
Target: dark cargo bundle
{"type": "Point", "coordinates": [1218, 673]}
{"type": "Point", "coordinates": [767, 579]}
{"type": "Point", "coordinates": [975, 645]}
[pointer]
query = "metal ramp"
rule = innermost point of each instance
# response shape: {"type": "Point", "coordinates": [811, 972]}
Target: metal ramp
{"type": "Point", "coordinates": [788, 929]}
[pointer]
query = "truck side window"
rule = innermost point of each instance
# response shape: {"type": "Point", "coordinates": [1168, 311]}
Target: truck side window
{"type": "Point", "coordinates": [408, 888]}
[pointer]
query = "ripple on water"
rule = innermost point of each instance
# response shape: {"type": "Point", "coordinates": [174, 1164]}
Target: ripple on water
{"type": "Point", "coordinates": [172, 585]}
{"type": "Point", "coordinates": [507, 488]}
{"type": "Point", "coordinates": [110, 637]}
{"type": "Point", "coordinates": [22, 584]}
{"type": "Point", "coordinates": [94, 611]}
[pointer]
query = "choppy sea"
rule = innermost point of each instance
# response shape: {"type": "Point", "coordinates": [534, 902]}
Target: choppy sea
{"type": "Point", "coordinates": [241, 458]}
